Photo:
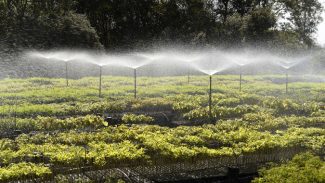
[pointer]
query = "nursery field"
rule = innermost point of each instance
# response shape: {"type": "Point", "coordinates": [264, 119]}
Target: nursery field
{"type": "Point", "coordinates": [50, 132]}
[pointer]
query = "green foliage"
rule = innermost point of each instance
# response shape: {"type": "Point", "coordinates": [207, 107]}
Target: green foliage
{"type": "Point", "coordinates": [220, 112]}
{"type": "Point", "coordinates": [304, 17]}
{"type": "Point", "coordinates": [288, 107]}
{"type": "Point", "coordinates": [50, 123]}
{"type": "Point", "coordinates": [157, 104]}
{"type": "Point", "coordinates": [125, 151]}
{"type": "Point", "coordinates": [259, 23]}
{"type": "Point", "coordinates": [45, 24]}
{"type": "Point", "coordinates": [63, 127]}
{"type": "Point", "coordinates": [20, 170]}
{"type": "Point", "coordinates": [198, 22]}
{"type": "Point", "coordinates": [187, 103]}
{"type": "Point", "coordinates": [136, 119]}
{"type": "Point", "coordinates": [302, 168]}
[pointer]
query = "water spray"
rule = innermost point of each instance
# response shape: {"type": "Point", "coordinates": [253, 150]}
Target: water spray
{"type": "Point", "coordinates": [135, 61]}
{"type": "Point", "coordinates": [288, 63]}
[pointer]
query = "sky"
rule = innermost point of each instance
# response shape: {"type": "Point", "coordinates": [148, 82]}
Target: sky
{"type": "Point", "coordinates": [321, 29]}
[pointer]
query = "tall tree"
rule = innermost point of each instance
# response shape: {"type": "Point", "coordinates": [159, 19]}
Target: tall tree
{"type": "Point", "coordinates": [304, 16]}
{"type": "Point", "coordinates": [259, 24]}
{"type": "Point", "coordinates": [242, 7]}
{"type": "Point", "coordinates": [44, 23]}
{"type": "Point", "coordinates": [125, 24]}
{"type": "Point", "coordinates": [223, 9]}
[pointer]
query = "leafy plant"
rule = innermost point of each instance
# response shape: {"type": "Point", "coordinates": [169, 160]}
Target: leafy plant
{"type": "Point", "coordinates": [136, 119]}
{"type": "Point", "coordinates": [305, 168]}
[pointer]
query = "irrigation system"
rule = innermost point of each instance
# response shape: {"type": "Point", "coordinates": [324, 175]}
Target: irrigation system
{"type": "Point", "coordinates": [136, 61]}
{"type": "Point", "coordinates": [288, 64]}
{"type": "Point", "coordinates": [241, 61]}
{"type": "Point", "coordinates": [208, 62]}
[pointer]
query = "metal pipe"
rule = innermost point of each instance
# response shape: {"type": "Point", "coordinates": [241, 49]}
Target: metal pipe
{"type": "Point", "coordinates": [100, 82]}
{"type": "Point", "coordinates": [135, 83]}
{"type": "Point", "coordinates": [188, 74]}
{"type": "Point", "coordinates": [287, 81]}
{"type": "Point", "coordinates": [188, 78]}
{"type": "Point", "coordinates": [240, 77]}
{"type": "Point", "coordinates": [66, 74]}
{"type": "Point", "coordinates": [210, 99]}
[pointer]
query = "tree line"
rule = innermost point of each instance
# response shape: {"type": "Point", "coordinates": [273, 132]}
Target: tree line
{"type": "Point", "coordinates": [128, 24]}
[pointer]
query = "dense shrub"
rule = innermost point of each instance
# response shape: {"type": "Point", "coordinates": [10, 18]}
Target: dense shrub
{"type": "Point", "coordinates": [304, 168]}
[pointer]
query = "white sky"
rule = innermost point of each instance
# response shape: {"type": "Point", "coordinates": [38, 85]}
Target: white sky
{"type": "Point", "coordinates": [321, 29]}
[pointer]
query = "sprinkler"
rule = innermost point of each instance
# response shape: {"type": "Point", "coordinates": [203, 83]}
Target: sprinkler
{"type": "Point", "coordinates": [135, 83]}
{"type": "Point", "coordinates": [100, 82]}
{"type": "Point", "coordinates": [288, 64]}
{"type": "Point", "coordinates": [210, 99]}
{"type": "Point", "coordinates": [66, 73]}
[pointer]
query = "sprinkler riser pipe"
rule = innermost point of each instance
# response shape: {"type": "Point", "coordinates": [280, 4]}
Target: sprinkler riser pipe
{"type": "Point", "coordinates": [100, 82]}
{"type": "Point", "coordinates": [66, 74]}
{"type": "Point", "coordinates": [135, 83]}
{"type": "Point", "coordinates": [188, 78]}
{"type": "Point", "coordinates": [188, 74]}
{"type": "Point", "coordinates": [210, 98]}
{"type": "Point", "coordinates": [287, 81]}
{"type": "Point", "coordinates": [240, 78]}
